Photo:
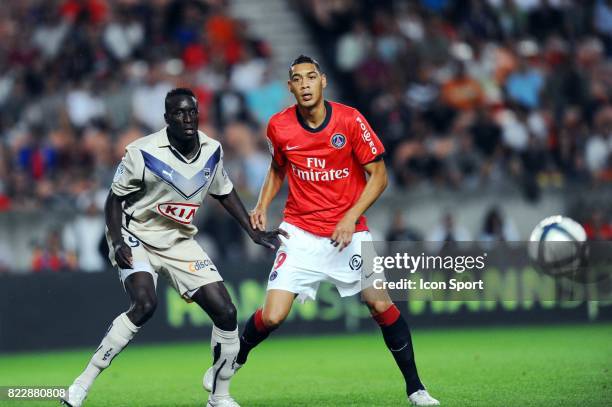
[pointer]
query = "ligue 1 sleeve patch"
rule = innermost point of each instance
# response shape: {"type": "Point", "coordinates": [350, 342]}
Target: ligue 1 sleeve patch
{"type": "Point", "coordinates": [270, 146]}
{"type": "Point", "coordinates": [119, 172]}
{"type": "Point", "coordinates": [338, 140]}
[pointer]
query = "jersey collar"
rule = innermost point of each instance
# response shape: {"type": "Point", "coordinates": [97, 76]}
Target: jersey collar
{"type": "Point", "coordinates": [328, 115]}
{"type": "Point", "coordinates": [164, 142]}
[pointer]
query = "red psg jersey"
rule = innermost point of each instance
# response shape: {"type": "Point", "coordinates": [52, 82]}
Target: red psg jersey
{"type": "Point", "coordinates": [324, 166]}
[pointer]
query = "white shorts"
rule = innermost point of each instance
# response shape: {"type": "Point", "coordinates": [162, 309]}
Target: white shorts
{"type": "Point", "coordinates": [185, 265]}
{"type": "Point", "coordinates": [305, 259]}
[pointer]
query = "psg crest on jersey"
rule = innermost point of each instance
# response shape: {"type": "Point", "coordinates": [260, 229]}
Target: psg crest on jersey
{"type": "Point", "coordinates": [338, 140]}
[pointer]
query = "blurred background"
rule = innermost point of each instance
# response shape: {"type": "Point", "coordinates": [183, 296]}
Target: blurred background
{"type": "Point", "coordinates": [494, 113]}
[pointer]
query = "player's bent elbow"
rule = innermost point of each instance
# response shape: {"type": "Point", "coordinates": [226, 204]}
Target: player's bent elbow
{"type": "Point", "coordinates": [383, 179]}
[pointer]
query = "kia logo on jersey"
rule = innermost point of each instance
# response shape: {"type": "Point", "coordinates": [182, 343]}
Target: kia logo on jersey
{"type": "Point", "coordinates": [178, 212]}
{"type": "Point", "coordinates": [338, 140]}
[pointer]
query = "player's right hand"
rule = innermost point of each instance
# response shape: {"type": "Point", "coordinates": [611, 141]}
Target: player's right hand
{"type": "Point", "coordinates": [258, 218]}
{"type": "Point", "coordinates": [269, 239]}
{"type": "Point", "coordinates": [123, 255]}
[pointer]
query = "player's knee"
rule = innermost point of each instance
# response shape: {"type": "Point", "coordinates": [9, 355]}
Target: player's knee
{"type": "Point", "coordinates": [272, 319]}
{"type": "Point", "coordinates": [143, 309]}
{"type": "Point", "coordinates": [378, 307]}
{"type": "Point", "coordinates": [227, 319]}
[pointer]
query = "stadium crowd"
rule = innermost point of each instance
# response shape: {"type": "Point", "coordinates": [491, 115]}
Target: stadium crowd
{"type": "Point", "coordinates": [80, 79]}
{"type": "Point", "coordinates": [463, 93]}
{"type": "Point", "coordinates": [478, 91]}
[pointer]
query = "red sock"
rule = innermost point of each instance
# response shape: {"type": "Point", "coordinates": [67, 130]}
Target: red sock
{"type": "Point", "coordinates": [258, 320]}
{"type": "Point", "coordinates": [254, 333]}
{"type": "Point", "coordinates": [387, 317]}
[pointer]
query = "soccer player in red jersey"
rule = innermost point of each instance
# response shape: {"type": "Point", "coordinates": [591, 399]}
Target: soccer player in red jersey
{"type": "Point", "coordinates": [325, 150]}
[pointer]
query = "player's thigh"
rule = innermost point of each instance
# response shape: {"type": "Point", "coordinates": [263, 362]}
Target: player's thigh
{"type": "Point", "coordinates": [141, 260]}
{"type": "Point", "coordinates": [186, 266]}
{"type": "Point", "coordinates": [344, 269]}
{"type": "Point", "coordinates": [277, 306]}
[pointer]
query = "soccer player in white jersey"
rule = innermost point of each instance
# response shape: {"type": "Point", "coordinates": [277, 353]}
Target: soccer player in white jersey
{"type": "Point", "coordinates": [157, 189]}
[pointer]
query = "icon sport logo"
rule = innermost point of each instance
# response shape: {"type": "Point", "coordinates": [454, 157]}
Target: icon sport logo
{"type": "Point", "coordinates": [178, 212]}
{"type": "Point", "coordinates": [338, 140]}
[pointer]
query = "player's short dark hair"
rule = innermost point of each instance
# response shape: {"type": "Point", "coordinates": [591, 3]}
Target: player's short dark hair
{"type": "Point", "coordinates": [178, 92]}
{"type": "Point", "coordinates": [304, 59]}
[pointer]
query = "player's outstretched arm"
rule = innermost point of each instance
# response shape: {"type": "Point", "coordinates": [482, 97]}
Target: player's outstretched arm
{"type": "Point", "coordinates": [271, 186]}
{"type": "Point", "coordinates": [377, 182]}
{"type": "Point", "coordinates": [113, 213]}
{"type": "Point", "coordinates": [232, 203]}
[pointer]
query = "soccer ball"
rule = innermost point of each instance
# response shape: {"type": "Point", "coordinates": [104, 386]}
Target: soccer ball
{"type": "Point", "coordinates": [557, 245]}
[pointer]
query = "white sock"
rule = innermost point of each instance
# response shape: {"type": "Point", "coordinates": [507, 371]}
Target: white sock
{"type": "Point", "coordinates": [225, 346]}
{"type": "Point", "coordinates": [119, 334]}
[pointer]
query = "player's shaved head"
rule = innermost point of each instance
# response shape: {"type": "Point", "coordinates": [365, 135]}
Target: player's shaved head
{"type": "Point", "coordinates": [177, 92]}
{"type": "Point", "coordinates": [304, 59]}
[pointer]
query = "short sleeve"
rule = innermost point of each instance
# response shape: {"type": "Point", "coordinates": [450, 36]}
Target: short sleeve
{"type": "Point", "coordinates": [366, 144]}
{"type": "Point", "coordinates": [129, 174]}
{"type": "Point", "coordinates": [275, 149]}
{"type": "Point", "coordinates": [221, 184]}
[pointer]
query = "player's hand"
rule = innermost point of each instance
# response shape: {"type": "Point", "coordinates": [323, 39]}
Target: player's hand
{"type": "Point", "coordinates": [258, 219]}
{"type": "Point", "coordinates": [343, 234]}
{"type": "Point", "coordinates": [123, 255]}
{"type": "Point", "coordinates": [269, 239]}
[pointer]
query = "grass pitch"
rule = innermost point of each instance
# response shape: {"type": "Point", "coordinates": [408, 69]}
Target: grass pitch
{"type": "Point", "coordinates": [531, 366]}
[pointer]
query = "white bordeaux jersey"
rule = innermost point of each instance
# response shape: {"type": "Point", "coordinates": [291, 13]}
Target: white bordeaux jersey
{"type": "Point", "coordinates": [166, 190]}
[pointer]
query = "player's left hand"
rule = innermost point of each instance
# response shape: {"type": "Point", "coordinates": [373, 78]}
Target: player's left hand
{"type": "Point", "coordinates": [343, 234]}
{"type": "Point", "coordinates": [270, 238]}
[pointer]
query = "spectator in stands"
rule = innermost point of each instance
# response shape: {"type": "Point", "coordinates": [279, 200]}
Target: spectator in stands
{"type": "Point", "coordinates": [268, 98]}
{"type": "Point", "coordinates": [52, 256]}
{"type": "Point", "coordinates": [250, 164]}
{"type": "Point", "coordinates": [148, 97]}
{"type": "Point", "coordinates": [352, 47]}
{"type": "Point", "coordinates": [82, 236]}
{"type": "Point", "coordinates": [5, 257]}
{"type": "Point", "coordinates": [524, 85]}
{"type": "Point", "coordinates": [598, 226]}
{"type": "Point", "coordinates": [448, 230]}
{"type": "Point", "coordinates": [400, 231]}
{"type": "Point", "coordinates": [497, 227]}
{"type": "Point", "coordinates": [602, 16]}
{"type": "Point", "coordinates": [462, 92]}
